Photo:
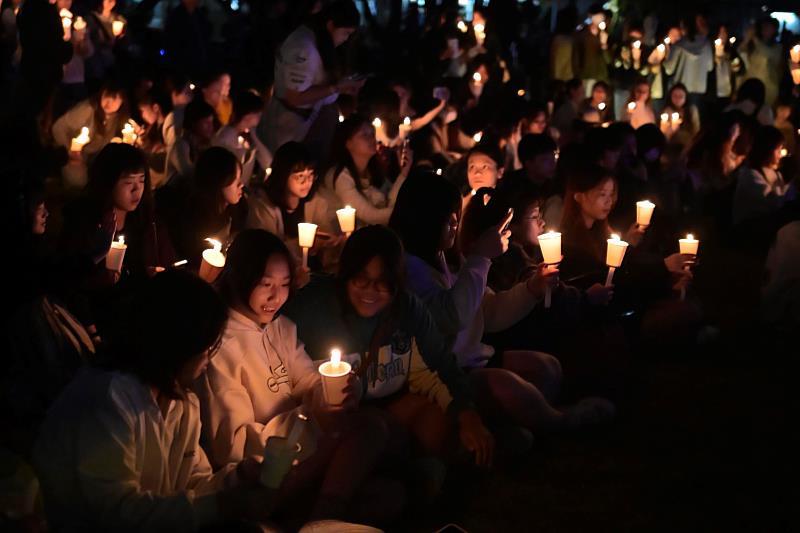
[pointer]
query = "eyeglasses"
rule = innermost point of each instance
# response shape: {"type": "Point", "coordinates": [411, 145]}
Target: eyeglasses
{"type": "Point", "coordinates": [301, 178]}
{"type": "Point", "coordinates": [362, 282]}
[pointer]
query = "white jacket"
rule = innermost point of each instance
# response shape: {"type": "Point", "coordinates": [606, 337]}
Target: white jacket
{"type": "Point", "coordinates": [108, 460]}
{"type": "Point", "coordinates": [227, 137]}
{"type": "Point", "coordinates": [253, 387]}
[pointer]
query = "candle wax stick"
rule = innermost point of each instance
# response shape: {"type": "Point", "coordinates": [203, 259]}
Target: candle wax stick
{"type": "Point", "coordinates": [305, 257]}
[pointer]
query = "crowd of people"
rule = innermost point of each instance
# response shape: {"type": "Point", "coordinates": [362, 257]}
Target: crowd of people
{"type": "Point", "coordinates": [170, 320]}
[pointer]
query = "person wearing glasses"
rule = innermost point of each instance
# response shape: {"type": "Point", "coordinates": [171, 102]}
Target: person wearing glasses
{"type": "Point", "coordinates": [287, 197]}
{"type": "Point", "coordinates": [262, 380]}
{"type": "Point", "coordinates": [405, 365]}
{"type": "Point", "coordinates": [120, 447]}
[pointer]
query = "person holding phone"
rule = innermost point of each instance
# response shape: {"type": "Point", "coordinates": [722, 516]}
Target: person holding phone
{"type": "Point", "coordinates": [517, 386]}
{"type": "Point", "coordinates": [307, 74]}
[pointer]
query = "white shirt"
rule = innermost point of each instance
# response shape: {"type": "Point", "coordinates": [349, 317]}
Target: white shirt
{"type": "Point", "coordinates": [107, 459]}
{"type": "Point", "coordinates": [298, 66]}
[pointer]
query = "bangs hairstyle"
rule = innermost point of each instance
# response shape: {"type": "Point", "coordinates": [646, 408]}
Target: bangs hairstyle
{"type": "Point", "coordinates": [766, 141]}
{"type": "Point", "coordinates": [111, 89]}
{"type": "Point", "coordinates": [113, 162]}
{"type": "Point", "coordinates": [174, 318]}
{"type": "Point", "coordinates": [584, 180]}
{"type": "Point", "coordinates": [490, 150]}
{"type": "Point", "coordinates": [216, 168]}
{"type": "Point", "coordinates": [364, 245]}
{"type": "Point", "coordinates": [484, 210]}
{"type": "Point", "coordinates": [423, 206]}
{"type": "Point", "coordinates": [245, 263]}
{"type": "Point", "coordinates": [340, 155]}
{"type": "Point", "coordinates": [291, 157]}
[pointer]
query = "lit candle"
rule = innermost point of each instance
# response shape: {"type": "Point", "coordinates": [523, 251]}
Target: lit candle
{"type": "Point", "coordinates": [213, 261]}
{"type": "Point", "coordinates": [631, 107]}
{"type": "Point", "coordinates": [615, 253]}
{"type": "Point", "coordinates": [665, 123]}
{"type": "Point", "coordinates": [305, 236]}
{"type": "Point", "coordinates": [602, 26]}
{"type": "Point", "coordinates": [334, 378]}
{"type": "Point", "coordinates": [477, 137]}
{"type": "Point", "coordinates": [601, 106]}
{"type": "Point", "coordinates": [637, 44]}
{"type": "Point", "coordinates": [341, 118]}
{"type": "Point", "coordinates": [521, 93]}
{"type": "Point", "coordinates": [479, 28]}
{"type": "Point", "coordinates": [438, 171]}
{"type": "Point", "coordinates": [462, 26]}
{"type": "Point", "coordinates": [116, 27]}
{"type": "Point", "coordinates": [477, 79]}
{"type": "Point", "coordinates": [687, 246]}
{"type": "Point", "coordinates": [718, 49]}
{"type": "Point", "coordinates": [191, 86]}
{"type": "Point", "coordinates": [116, 254]}
{"type": "Point", "coordinates": [407, 121]}
{"type": "Point", "coordinates": [732, 40]}
{"type": "Point", "coordinates": [794, 53]}
{"type": "Point", "coordinates": [80, 141]}
{"type": "Point", "coordinates": [267, 173]}
{"type": "Point", "coordinates": [376, 123]}
{"type": "Point", "coordinates": [550, 244]}
{"type": "Point", "coordinates": [347, 219]}
{"type": "Point", "coordinates": [676, 120]}
{"type": "Point", "coordinates": [66, 23]}
{"type": "Point", "coordinates": [603, 34]}
{"type": "Point", "coordinates": [784, 152]}
{"type": "Point", "coordinates": [79, 24]}
{"type": "Point", "coordinates": [128, 134]}
{"type": "Point", "coordinates": [661, 50]}
{"type": "Point", "coordinates": [667, 40]}
{"type": "Point", "coordinates": [240, 140]}
{"type": "Point", "coordinates": [644, 212]}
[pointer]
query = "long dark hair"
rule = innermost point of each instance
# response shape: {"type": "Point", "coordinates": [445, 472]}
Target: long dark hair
{"type": "Point", "coordinates": [99, 126]}
{"type": "Point", "coordinates": [216, 168]}
{"type": "Point", "coordinates": [341, 158]}
{"type": "Point", "coordinates": [572, 224]}
{"type": "Point", "coordinates": [108, 167]}
{"type": "Point", "coordinates": [245, 263]}
{"type": "Point", "coordinates": [424, 205]}
{"type": "Point", "coordinates": [365, 244]}
{"type": "Point", "coordinates": [173, 319]}
{"type": "Point", "coordinates": [289, 158]}
{"type": "Point", "coordinates": [342, 14]}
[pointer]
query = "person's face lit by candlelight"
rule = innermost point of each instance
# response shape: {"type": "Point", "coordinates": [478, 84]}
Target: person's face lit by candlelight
{"type": "Point", "coordinates": [110, 103]}
{"type": "Point", "coordinates": [482, 171]}
{"type": "Point", "coordinates": [150, 113]}
{"type": "Point", "coordinates": [128, 191]}
{"type": "Point", "coordinates": [232, 192]}
{"type": "Point", "coordinates": [363, 143]}
{"type": "Point", "coordinates": [677, 98]}
{"type": "Point", "coordinates": [368, 291]}
{"type": "Point", "coordinates": [597, 203]}
{"type": "Point", "coordinates": [272, 290]}
{"type": "Point", "coordinates": [40, 215]}
{"type": "Point", "coordinates": [339, 36]}
{"type": "Point", "coordinates": [300, 182]}
{"type": "Point", "coordinates": [599, 95]}
{"type": "Point", "coordinates": [538, 124]}
{"type": "Point", "coordinates": [526, 229]}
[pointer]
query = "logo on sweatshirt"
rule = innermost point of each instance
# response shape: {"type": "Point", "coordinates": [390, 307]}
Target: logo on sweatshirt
{"type": "Point", "coordinates": [279, 376]}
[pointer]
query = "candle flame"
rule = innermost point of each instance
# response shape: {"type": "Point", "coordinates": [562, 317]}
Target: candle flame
{"type": "Point", "coordinates": [479, 27]}
{"type": "Point", "coordinates": [602, 26]}
{"type": "Point", "coordinates": [796, 48]}
{"type": "Point", "coordinates": [407, 121]}
{"type": "Point", "coordinates": [462, 26]}
{"type": "Point", "coordinates": [717, 42]}
{"type": "Point", "coordinates": [121, 239]}
{"type": "Point", "coordinates": [521, 92]}
{"type": "Point", "coordinates": [614, 237]}
{"type": "Point", "coordinates": [689, 237]}
{"type": "Point", "coordinates": [631, 106]}
{"type": "Point", "coordinates": [438, 171]}
{"type": "Point", "coordinates": [637, 44]}
{"type": "Point", "coordinates": [732, 40]}
{"type": "Point", "coordinates": [667, 40]}
{"type": "Point", "coordinates": [336, 357]}
{"type": "Point", "coordinates": [477, 137]}
{"type": "Point", "coordinates": [376, 122]}
{"type": "Point", "coordinates": [65, 13]}
{"type": "Point", "coordinates": [341, 118]}
{"type": "Point", "coordinates": [664, 117]}
{"type": "Point", "coordinates": [477, 77]}
{"type": "Point", "coordinates": [80, 24]}
{"type": "Point", "coordinates": [180, 263]}
{"type": "Point", "coordinates": [601, 106]}
{"type": "Point", "coordinates": [472, 192]}
{"type": "Point", "coordinates": [216, 245]}
{"type": "Point", "coordinates": [676, 116]}
{"type": "Point", "coordinates": [784, 152]}
{"type": "Point", "coordinates": [191, 86]}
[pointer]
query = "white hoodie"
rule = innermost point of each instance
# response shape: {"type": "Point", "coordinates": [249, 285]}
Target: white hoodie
{"type": "Point", "coordinates": [253, 387]}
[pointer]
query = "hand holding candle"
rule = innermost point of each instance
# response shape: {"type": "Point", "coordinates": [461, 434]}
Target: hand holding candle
{"type": "Point", "coordinates": [66, 23]}
{"type": "Point", "coordinates": [334, 378]}
{"type": "Point", "coordinates": [116, 254]}
{"type": "Point", "coordinates": [129, 135]}
{"type": "Point", "coordinates": [615, 253]}
{"type": "Point", "coordinates": [644, 212]}
{"type": "Point", "coordinates": [305, 236]}
{"type": "Point", "coordinates": [688, 246]}
{"type": "Point", "coordinates": [213, 261]}
{"type": "Point", "coordinates": [550, 244]}
{"type": "Point", "coordinates": [347, 219]}
{"type": "Point", "coordinates": [80, 141]}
